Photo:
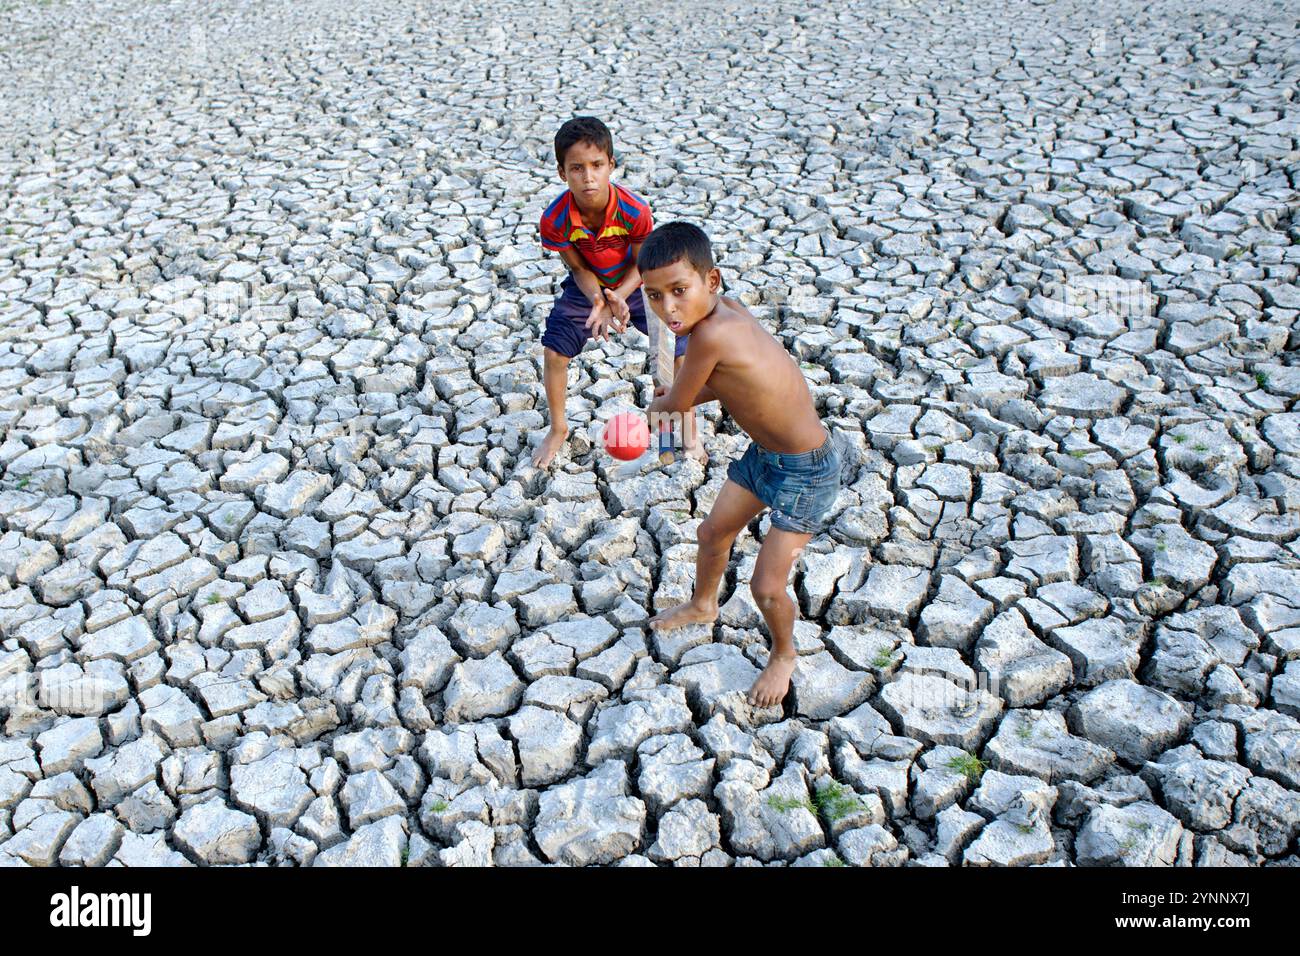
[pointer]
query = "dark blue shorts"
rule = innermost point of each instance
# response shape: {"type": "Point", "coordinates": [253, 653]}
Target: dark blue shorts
{"type": "Point", "coordinates": [566, 332]}
{"type": "Point", "coordinates": [799, 489]}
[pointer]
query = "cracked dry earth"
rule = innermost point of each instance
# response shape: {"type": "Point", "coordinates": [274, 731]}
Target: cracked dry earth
{"type": "Point", "coordinates": [280, 585]}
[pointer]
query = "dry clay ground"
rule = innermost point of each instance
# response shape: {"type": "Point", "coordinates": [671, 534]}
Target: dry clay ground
{"type": "Point", "coordinates": [280, 586]}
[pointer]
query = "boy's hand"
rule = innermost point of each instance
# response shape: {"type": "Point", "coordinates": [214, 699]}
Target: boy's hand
{"type": "Point", "coordinates": [599, 321]}
{"type": "Point", "coordinates": [620, 314]}
{"type": "Point", "coordinates": [661, 391]}
{"type": "Point", "coordinates": [611, 312]}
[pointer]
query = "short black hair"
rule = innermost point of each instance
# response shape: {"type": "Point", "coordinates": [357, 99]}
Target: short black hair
{"type": "Point", "coordinates": [673, 242]}
{"type": "Point", "coordinates": [583, 129]}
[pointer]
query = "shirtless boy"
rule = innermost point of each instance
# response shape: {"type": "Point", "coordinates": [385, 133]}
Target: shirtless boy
{"type": "Point", "coordinates": [597, 227]}
{"type": "Point", "coordinates": [791, 465]}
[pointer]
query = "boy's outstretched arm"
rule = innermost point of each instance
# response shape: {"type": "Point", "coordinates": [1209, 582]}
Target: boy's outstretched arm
{"type": "Point", "coordinates": [689, 384]}
{"type": "Point", "coordinates": [582, 274]}
{"type": "Point", "coordinates": [703, 397]}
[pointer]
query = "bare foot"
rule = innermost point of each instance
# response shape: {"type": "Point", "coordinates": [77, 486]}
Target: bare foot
{"type": "Point", "coordinates": [684, 614]}
{"type": "Point", "coordinates": [772, 685]}
{"type": "Point", "coordinates": [550, 445]}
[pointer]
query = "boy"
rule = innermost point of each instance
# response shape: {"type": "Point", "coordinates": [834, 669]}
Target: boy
{"type": "Point", "coordinates": [597, 227]}
{"type": "Point", "coordinates": [791, 466]}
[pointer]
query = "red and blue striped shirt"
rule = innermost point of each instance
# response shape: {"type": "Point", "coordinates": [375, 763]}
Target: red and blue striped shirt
{"type": "Point", "coordinates": [609, 254]}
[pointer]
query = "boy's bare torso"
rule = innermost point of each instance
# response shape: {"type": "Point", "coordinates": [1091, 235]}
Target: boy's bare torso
{"type": "Point", "coordinates": [759, 383]}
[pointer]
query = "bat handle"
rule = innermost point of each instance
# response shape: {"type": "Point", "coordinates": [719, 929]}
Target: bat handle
{"type": "Point", "coordinates": [666, 450]}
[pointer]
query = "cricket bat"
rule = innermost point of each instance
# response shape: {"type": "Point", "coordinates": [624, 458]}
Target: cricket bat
{"type": "Point", "coordinates": [663, 348]}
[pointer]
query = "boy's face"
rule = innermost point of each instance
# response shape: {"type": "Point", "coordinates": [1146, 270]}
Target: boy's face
{"type": "Point", "coordinates": [679, 295]}
{"type": "Point", "coordinates": [586, 172]}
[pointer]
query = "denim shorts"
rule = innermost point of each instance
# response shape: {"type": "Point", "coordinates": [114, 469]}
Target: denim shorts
{"type": "Point", "coordinates": [799, 489]}
{"type": "Point", "coordinates": [566, 331]}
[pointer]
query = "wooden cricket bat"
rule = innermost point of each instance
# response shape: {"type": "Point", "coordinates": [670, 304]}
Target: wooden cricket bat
{"type": "Point", "coordinates": [663, 347]}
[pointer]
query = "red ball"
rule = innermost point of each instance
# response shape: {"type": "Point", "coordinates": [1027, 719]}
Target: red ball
{"type": "Point", "coordinates": [627, 436]}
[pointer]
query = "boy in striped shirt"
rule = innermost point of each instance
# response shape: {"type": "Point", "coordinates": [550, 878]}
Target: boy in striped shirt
{"type": "Point", "coordinates": [597, 227]}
